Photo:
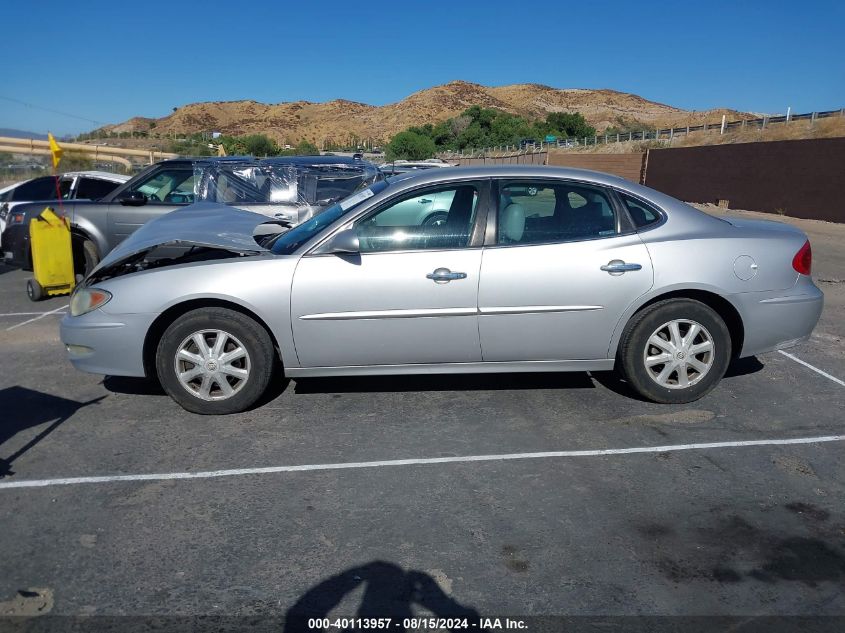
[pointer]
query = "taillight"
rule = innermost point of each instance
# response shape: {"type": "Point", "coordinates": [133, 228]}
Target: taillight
{"type": "Point", "coordinates": [803, 260]}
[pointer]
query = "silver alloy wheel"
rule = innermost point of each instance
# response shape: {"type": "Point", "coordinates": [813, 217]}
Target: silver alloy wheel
{"type": "Point", "coordinates": [212, 365]}
{"type": "Point", "coordinates": [679, 354]}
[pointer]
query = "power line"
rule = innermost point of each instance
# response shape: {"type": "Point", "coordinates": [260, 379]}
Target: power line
{"type": "Point", "coordinates": [36, 107]}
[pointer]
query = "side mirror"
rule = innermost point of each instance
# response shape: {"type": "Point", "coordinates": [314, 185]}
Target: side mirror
{"type": "Point", "coordinates": [133, 199]}
{"type": "Point", "coordinates": [345, 241]}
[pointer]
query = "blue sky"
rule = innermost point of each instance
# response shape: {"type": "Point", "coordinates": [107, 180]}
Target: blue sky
{"type": "Point", "coordinates": [107, 61]}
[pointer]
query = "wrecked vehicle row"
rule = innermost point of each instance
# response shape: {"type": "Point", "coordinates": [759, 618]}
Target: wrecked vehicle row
{"type": "Point", "coordinates": [290, 189]}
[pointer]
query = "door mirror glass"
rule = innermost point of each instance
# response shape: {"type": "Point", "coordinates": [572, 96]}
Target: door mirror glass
{"type": "Point", "coordinates": [345, 241]}
{"type": "Point", "coordinates": [133, 199]}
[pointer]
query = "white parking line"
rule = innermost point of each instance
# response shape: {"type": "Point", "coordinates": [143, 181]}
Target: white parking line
{"type": "Point", "coordinates": [41, 315]}
{"type": "Point", "coordinates": [20, 314]}
{"type": "Point", "coordinates": [210, 474]}
{"type": "Point", "coordinates": [815, 369]}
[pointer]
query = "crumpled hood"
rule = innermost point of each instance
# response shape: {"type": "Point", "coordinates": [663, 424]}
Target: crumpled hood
{"type": "Point", "coordinates": [206, 224]}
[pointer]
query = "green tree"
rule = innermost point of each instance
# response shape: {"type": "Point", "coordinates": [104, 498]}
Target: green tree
{"type": "Point", "coordinates": [305, 148]}
{"type": "Point", "coordinates": [409, 145]}
{"type": "Point", "coordinates": [478, 127]}
{"type": "Point", "coordinates": [254, 144]}
{"type": "Point", "coordinates": [259, 145]}
{"type": "Point", "coordinates": [568, 124]}
{"type": "Point", "coordinates": [191, 148]}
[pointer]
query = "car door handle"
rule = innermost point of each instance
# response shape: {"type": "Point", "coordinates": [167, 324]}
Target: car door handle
{"type": "Point", "coordinates": [444, 275]}
{"type": "Point", "coordinates": [424, 200]}
{"type": "Point", "coordinates": [617, 266]}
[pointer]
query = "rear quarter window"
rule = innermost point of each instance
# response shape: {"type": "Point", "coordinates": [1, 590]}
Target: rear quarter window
{"type": "Point", "coordinates": [43, 188]}
{"type": "Point", "coordinates": [641, 213]}
{"type": "Point", "coordinates": [95, 188]}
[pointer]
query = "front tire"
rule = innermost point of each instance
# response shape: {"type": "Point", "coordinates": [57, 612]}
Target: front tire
{"type": "Point", "coordinates": [215, 361]}
{"type": "Point", "coordinates": [438, 218]}
{"type": "Point", "coordinates": [675, 351]}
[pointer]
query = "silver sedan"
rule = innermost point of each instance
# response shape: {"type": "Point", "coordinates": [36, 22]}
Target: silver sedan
{"type": "Point", "coordinates": [528, 269]}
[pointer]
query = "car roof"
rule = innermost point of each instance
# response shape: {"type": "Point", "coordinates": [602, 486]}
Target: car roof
{"type": "Point", "coordinates": [273, 160]}
{"type": "Point", "coordinates": [312, 160]}
{"type": "Point", "coordinates": [205, 159]}
{"type": "Point", "coordinates": [424, 176]}
{"type": "Point", "coordinates": [102, 175]}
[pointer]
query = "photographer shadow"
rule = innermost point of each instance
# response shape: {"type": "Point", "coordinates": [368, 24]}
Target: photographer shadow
{"type": "Point", "coordinates": [26, 408]}
{"type": "Point", "coordinates": [389, 592]}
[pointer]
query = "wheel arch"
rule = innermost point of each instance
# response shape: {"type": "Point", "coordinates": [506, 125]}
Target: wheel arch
{"type": "Point", "coordinates": [81, 234]}
{"type": "Point", "coordinates": [83, 228]}
{"type": "Point", "coordinates": [429, 214]}
{"type": "Point", "coordinates": [163, 321]}
{"type": "Point", "coordinates": [717, 302]}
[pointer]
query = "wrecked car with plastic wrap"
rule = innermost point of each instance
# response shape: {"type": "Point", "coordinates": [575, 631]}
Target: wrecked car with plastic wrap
{"type": "Point", "coordinates": [291, 189]}
{"type": "Point", "coordinates": [475, 269]}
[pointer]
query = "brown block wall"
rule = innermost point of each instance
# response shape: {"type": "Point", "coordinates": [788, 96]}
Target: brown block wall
{"type": "Point", "coordinates": [628, 166]}
{"type": "Point", "coordinates": [802, 179]}
{"type": "Point", "coordinates": [534, 158]}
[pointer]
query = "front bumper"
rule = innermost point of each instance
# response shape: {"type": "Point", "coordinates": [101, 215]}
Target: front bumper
{"type": "Point", "coordinates": [779, 320]}
{"type": "Point", "coordinates": [108, 344]}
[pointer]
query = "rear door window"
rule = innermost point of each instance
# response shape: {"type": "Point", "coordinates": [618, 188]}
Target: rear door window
{"type": "Point", "coordinates": [534, 212]}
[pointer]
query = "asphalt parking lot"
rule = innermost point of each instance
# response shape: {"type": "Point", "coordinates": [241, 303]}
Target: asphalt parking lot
{"type": "Point", "coordinates": [751, 526]}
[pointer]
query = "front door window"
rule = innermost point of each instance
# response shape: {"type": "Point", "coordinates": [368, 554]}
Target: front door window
{"type": "Point", "coordinates": [435, 219]}
{"type": "Point", "coordinates": [169, 185]}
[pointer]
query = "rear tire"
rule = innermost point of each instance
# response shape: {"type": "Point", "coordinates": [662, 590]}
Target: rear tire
{"type": "Point", "coordinates": [230, 373]}
{"type": "Point", "coordinates": [34, 290]}
{"type": "Point", "coordinates": [675, 351]}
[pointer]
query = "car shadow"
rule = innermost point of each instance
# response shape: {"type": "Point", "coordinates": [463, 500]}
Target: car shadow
{"type": "Point", "coordinates": [152, 387]}
{"type": "Point", "coordinates": [444, 382]}
{"type": "Point", "coordinates": [744, 367]}
{"type": "Point", "coordinates": [26, 408]}
{"type": "Point", "coordinates": [388, 592]}
{"type": "Point", "coordinates": [612, 381]}
{"type": "Point", "coordinates": [133, 386]}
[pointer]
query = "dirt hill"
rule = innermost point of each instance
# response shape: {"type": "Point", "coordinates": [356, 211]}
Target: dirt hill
{"type": "Point", "coordinates": [340, 120]}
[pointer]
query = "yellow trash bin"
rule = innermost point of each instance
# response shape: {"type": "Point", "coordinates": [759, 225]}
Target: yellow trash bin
{"type": "Point", "coordinates": [52, 256]}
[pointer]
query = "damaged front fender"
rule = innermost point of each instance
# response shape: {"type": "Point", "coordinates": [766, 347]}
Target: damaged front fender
{"type": "Point", "coordinates": [198, 232]}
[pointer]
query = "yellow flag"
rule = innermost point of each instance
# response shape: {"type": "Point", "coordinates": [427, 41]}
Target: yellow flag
{"type": "Point", "coordinates": [55, 150]}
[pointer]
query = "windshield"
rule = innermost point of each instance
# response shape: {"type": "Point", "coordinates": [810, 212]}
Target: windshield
{"type": "Point", "coordinates": [288, 242]}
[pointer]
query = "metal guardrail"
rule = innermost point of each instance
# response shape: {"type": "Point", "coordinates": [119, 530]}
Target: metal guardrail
{"type": "Point", "coordinates": [97, 152]}
{"type": "Point", "coordinates": [643, 135]}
